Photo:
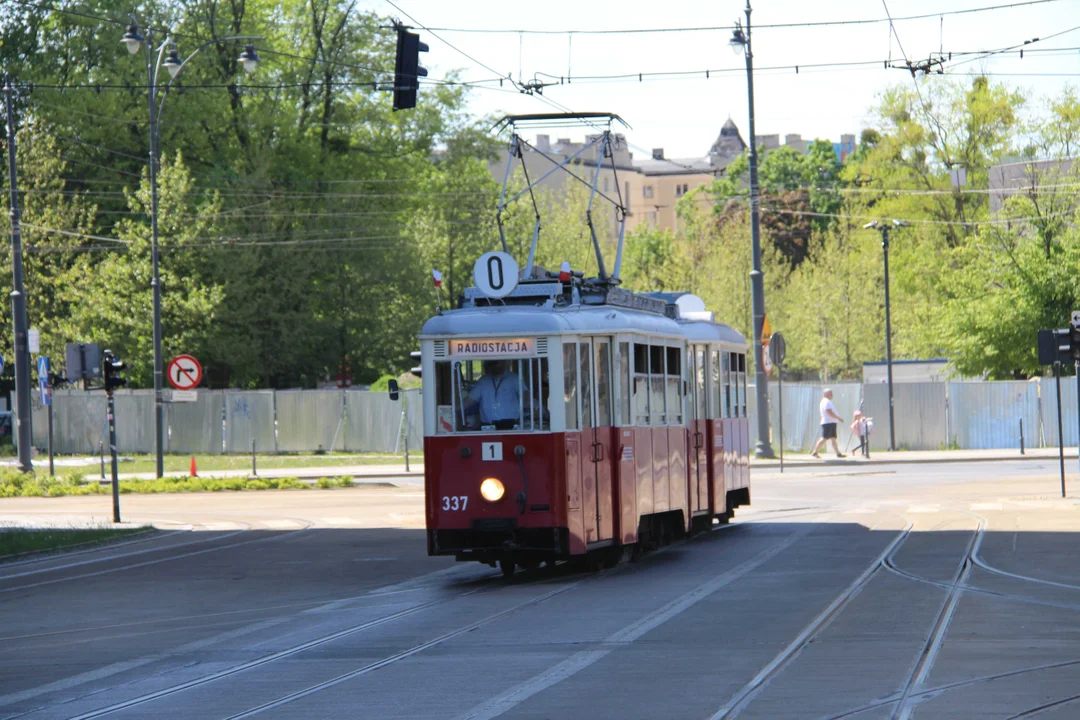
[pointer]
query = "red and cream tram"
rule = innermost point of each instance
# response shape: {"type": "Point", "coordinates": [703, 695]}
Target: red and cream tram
{"type": "Point", "coordinates": [612, 421]}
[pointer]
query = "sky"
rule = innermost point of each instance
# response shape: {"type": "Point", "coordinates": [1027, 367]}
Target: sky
{"type": "Point", "coordinates": [684, 115]}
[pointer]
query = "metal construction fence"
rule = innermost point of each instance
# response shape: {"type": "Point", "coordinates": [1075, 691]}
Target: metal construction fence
{"type": "Point", "coordinates": [931, 416]}
{"type": "Point", "coordinates": [230, 421]}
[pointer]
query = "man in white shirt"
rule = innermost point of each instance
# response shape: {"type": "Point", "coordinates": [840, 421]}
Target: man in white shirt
{"type": "Point", "coordinates": [829, 419]}
{"type": "Point", "coordinates": [498, 395]}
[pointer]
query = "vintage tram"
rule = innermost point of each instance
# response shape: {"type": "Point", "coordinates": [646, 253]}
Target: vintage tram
{"type": "Point", "coordinates": [566, 416]}
{"type": "Point", "coordinates": [628, 425]}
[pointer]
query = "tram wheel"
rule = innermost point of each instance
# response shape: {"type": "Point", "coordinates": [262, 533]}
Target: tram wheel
{"type": "Point", "coordinates": [530, 563]}
{"type": "Point", "coordinates": [507, 566]}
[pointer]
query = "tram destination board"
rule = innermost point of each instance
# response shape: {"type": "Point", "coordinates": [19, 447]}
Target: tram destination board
{"type": "Point", "coordinates": [493, 346]}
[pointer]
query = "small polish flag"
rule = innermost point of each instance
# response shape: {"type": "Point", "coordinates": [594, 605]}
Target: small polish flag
{"type": "Point", "coordinates": [438, 278]}
{"type": "Point", "coordinates": [564, 272]}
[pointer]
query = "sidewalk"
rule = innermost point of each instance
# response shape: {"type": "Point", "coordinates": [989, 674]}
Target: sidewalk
{"type": "Point", "coordinates": [885, 457]}
{"type": "Point", "coordinates": [416, 471]}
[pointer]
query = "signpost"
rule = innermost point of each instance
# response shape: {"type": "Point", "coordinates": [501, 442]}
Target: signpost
{"type": "Point", "coordinates": [777, 354]}
{"type": "Point", "coordinates": [1056, 347]}
{"type": "Point", "coordinates": [46, 399]}
{"type": "Point", "coordinates": [185, 372]}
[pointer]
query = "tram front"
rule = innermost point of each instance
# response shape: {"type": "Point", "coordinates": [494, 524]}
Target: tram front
{"type": "Point", "coordinates": [491, 470]}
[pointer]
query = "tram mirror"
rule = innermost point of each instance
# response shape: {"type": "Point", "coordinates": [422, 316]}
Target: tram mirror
{"type": "Point", "coordinates": [393, 387]}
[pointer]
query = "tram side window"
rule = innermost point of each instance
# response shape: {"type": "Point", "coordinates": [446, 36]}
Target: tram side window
{"type": "Point", "coordinates": [641, 384]}
{"type": "Point", "coordinates": [699, 383]}
{"type": "Point", "coordinates": [492, 395]}
{"type": "Point", "coordinates": [569, 359]}
{"type": "Point", "coordinates": [742, 384]}
{"type": "Point", "coordinates": [717, 386]}
{"type": "Point", "coordinates": [586, 386]}
{"type": "Point", "coordinates": [727, 384]}
{"type": "Point", "coordinates": [657, 412]}
{"type": "Point", "coordinates": [624, 382]}
{"type": "Point", "coordinates": [674, 382]}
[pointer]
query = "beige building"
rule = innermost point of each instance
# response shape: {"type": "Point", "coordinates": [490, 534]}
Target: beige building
{"type": "Point", "coordinates": [650, 186]}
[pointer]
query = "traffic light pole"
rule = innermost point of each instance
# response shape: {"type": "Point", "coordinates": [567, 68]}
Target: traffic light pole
{"type": "Point", "coordinates": [112, 452]}
{"type": "Point", "coordinates": [18, 301]}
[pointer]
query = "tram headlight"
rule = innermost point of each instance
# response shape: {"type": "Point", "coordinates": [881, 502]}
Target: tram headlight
{"type": "Point", "coordinates": [492, 489]}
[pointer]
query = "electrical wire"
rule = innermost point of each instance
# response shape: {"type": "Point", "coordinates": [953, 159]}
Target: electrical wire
{"type": "Point", "coordinates": [822, 23]}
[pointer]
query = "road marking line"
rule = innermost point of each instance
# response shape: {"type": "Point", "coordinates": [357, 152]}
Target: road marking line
{"type": "Point", "coordinates": [579, 661]}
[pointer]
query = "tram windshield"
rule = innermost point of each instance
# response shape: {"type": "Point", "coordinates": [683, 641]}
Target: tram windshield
{"type": "Point", "coordinates": [492, 395]}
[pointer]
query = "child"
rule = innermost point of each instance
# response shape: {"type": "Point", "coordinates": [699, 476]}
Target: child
{"type": "Point", "coordinates": [860, 428]}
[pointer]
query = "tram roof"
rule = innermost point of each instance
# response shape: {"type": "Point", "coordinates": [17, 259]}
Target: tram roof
{"type": "Point", "coordinates": [517, 320]}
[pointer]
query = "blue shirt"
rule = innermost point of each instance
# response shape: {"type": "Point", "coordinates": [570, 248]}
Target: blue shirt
{"type": "Point", "coordinates": [499, 397]}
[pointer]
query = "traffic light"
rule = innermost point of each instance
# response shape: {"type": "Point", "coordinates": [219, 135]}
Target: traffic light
{"type": "Point", "coordinates": [1074, 334]}
{"type": "Point", "coordinates": [418, 370]}
{"type": "Point", "coordinates": [111, 367]}
{"type": "Point", "coordinates": [407, 69]}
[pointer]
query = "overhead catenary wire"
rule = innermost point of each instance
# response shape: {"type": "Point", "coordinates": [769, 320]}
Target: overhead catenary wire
{"type": "Point", "coordinates": [713, 28]}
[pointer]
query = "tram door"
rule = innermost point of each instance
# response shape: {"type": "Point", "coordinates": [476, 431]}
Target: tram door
{"type": "Point", "coordinates": [698, 468]}
{"type": "Point", "coordinates": [594, 358]}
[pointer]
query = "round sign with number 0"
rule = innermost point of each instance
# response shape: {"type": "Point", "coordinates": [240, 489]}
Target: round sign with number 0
{"type": "Point", "coordinates": [496, 274]}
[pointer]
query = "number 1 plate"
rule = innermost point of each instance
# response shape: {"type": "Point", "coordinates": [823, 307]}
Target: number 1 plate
{"type": "Point", "coordinates": [491, 451]}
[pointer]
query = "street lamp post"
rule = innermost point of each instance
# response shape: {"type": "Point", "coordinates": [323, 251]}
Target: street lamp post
{"type": "Point", "coordinates": [133, 40]}
{"type": "Point", "coordinates": [884, 228]}
{"type": "Point", "coordinates": [740, 42]}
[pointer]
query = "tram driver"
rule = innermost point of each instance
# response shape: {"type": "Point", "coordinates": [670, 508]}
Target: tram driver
{"type": "Point", "coordinates": [496, 396]}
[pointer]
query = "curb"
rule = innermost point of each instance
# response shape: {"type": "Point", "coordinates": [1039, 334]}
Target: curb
{"type": "Point", "coordinates": [903, 461]}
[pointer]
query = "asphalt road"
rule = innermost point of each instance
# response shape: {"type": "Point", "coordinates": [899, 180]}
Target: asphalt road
{"type": "Point", "coordinates": [929, 591]}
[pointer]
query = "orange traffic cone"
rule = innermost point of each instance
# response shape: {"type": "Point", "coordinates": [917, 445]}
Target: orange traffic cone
{"type": "Point", "coordinates": [194, 472]}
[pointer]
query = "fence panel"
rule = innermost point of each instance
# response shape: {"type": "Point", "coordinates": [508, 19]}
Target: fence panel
{"type": "Point", "coordinates": [987, 415]}
{"type": "Point", "coordinates": [78, 421]}
{"type": "Point", "coordinates": [134, 421]}
{"type": "Point", "coordinates": [1048, 394]}
{"type": "Point", "coordinates": [373, 421]}
{"type": "Point", "coordinates": [415, 419]}
{"type": "Point", "coordinates": [920, 410]}
{"type": "Point", "coordinates": [195, 427]}
{"type": "Point", "coordinates": [249, 415]}
{"type": "Point", "coordinates": [802, 415]}
{"type": "Point", "coordinates": [39, 423]}
{"type": "Point", "coordinates": [309, 420]}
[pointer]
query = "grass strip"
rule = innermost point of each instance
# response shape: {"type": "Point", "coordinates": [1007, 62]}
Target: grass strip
{"type": "Point", "coordinates": [19, 541]}
{"type": "Point", "coordinates": [16, 484]}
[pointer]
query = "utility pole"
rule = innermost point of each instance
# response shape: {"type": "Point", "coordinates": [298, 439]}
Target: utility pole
{"type": "Point", "coordinates": [763, 448]}
{"type": "Point", "coordinates": [18, 300]}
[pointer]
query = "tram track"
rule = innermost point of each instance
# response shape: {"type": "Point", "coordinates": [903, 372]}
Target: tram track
{"type": "Point", "coordinates": [746, 694]}
{"type": "Point", "coordinates": [94, 546]}
{"type": "Point", "coordinates": [346, 632]}
{"type": "Point", "coordinates": [277, 535]}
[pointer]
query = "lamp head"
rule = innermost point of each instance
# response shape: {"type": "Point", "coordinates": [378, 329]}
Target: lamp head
{"type": "Point", "coordinates": [249, 58]}
{"type": "Point", "coordinates": [738, 40]}
{"type": "Point", "coordinates": [173, 63]}
{"type": "Point", "coordinates": [871, 224]}
{"type": "Point", "coordinates": [133, 39]}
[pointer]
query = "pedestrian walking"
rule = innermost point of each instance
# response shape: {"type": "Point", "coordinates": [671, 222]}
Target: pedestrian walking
{"type": "Point", "coordinates": [860, 428]}
{"type": "Point", "coordinates": [829, 420]}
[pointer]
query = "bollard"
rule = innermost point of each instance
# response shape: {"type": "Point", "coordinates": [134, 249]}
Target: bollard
{"type": "Point", "coordinates": [101, 452]}
{"type": "Point", "coordinates": [1021, 436]}
{"type": "Point", "coordinates": [253, 473]}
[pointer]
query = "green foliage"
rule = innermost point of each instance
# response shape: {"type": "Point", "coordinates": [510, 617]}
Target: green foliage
{"type": "Point", "coordinates": [298, 224]}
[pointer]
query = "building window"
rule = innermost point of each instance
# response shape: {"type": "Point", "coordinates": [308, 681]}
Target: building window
{"type": "Point", "coordinates": [646, 191]}
{"type": "Point", "coordinates": [605, 184]}
{"type": "Point", "coordinates": [681, 190]}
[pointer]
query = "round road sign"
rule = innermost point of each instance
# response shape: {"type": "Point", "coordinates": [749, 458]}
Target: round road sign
{"type": "Point", "coordinates": [496, 274]}
{"type": "Point", "coordinates": [185, 372]}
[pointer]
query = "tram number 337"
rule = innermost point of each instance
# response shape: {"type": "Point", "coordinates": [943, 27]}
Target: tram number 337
{"type": "Point", "coordinates": [455, 502]}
